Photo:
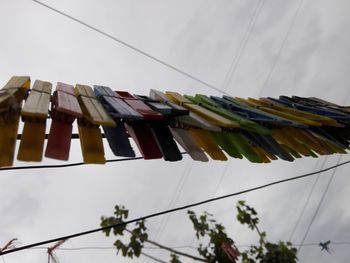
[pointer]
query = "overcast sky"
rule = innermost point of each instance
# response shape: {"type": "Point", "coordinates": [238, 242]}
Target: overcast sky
{"type": "Point", "coordinates": [246, 48]}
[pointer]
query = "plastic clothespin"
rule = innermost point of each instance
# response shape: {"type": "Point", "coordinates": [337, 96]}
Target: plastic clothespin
{"type": "Point", "coordinates": [244, 123]}
{"type": "Point", "coordinates": [191, 120]}
{"type": "Point", "coordinates": [210, 116]}
{"type": "Point", "coordinates": [345, 109]}
{"type": "Point", "coordinates": [117, 137]}
{"type": "Point", "coordinates": [208, 144]}
{"type": "Point", "coordinates": [11, 97]}
{"type": "Point", "coordinates": [64, 110]}
{"type": "Point", "coordinates": [182, 135]}
{"type": "Point", "coordinates": [280, 111]}
{"type": "Point", "coordinates": [89, 132]}
{"type": "Point", "coordinates": [298, 103]}
{"type": "Point", "coordinates": [157, 122]}
{"type": "Point", "coordinates": [323, 120]}
{"type": "Point", "coordinates": [279, 121]}
{"type": "Point", "coordinates": [161, 130]}
{"type": "Point", "coordinates": [202, 137]}
{"type": "Point", "coordinates": [34, 114]}
{"type": "Point", "coordinates": [140, 130]}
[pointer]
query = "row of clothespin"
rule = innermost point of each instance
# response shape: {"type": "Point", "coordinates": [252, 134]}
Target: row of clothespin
{"type": "Point", "coordinates": [259, 130]}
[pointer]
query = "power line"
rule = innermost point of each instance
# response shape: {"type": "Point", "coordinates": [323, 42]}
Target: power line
{"type": "Point", "coordinates": [307, 200]}
{"type": "Point", "coordinates": [282, 46]}
{"type": "Point", "coordinates": [319, 205]}
{"type": "Point", "coordinates": [130, 47]}
{"type": "Point", "coordinates": [169, 211]}
{"type": "Point", "coordinates": [69, 164]}
{"type": "Point", "coordinates": [237, 58]}
{"type": "Point", "coordinates": [179, 247]}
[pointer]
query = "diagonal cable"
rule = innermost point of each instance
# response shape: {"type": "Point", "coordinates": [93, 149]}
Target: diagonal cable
{"type": "Point", "coordinates": [130, 47]}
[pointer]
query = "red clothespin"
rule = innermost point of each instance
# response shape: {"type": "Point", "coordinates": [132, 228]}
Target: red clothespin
{"type": "Point", "coordinates": [140, 131]}
{"type": "Point", "coordinates": [64, 110]}
{"type": "Point", "coordinates": [231, 251]}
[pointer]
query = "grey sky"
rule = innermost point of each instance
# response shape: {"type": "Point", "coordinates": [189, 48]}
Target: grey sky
{"type": "Point", "coordinates": [202, 38]}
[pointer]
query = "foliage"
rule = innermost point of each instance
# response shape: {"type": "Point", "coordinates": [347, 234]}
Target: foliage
{"type": "Point", "coordinates": [218, 247]}
{"type": "Point", "coordinates": [138, 234]}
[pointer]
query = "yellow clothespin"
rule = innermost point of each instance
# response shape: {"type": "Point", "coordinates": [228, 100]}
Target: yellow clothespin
{"type": "Point", "coordinates": [89, 132]}
{"type": "Point", "coordinates": [11, 97]}
{"type": "Point", "coordinates": [34, 114]}
{"type": "Point", "coordinates": [210, 116]}
{"type": "Point", "coordinates": [207, 143]}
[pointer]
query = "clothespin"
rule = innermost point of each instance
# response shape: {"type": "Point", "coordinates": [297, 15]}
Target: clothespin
{"type": "Point", "coordinates": [297, 102]}
{"type": "Point", "coordinates": [191, 120]}
{"type": "Point", "coordinates": [231, 251]}
{"type": "Point", "coordinates": [323, 120]}
{"type": "Point", "coordinates": [202, 137]}
{"type": "Point", "coordinates": [244, 123]}
{"type": "Point", "coordinates": [157, 123]}
{"type": "Point", "coordinates": [210, 116]}
{"type": "Point", "coordinates": [120, 111]}
{"type": "Point", "coordinates": [161, 130]}
{"type": "Point", "coordinates": [249, 113]}
{"type": "Point", "coordinates": [181, 135]}
{"type": "Point", "coordinates": [64, 110]}
{"type": "Point", "coordinates": [277, 120]}
{"type": "Point", "coordinates": [140, 130]}
{"type": "Point", "coordinates": [345, 109]}
{"type": "Point", "coordinates": [11, 97]}
{"type": "Point", "coordinates": [34, 114]}
{"type": "Point", "coordinates": [268, 144]}
{"type": "Point", "coordinates": [89, 132]}
{"type": "Point", "coordinates": [280, 111]}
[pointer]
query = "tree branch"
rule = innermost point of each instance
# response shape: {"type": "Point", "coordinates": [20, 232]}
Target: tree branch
{"type": "Point", "coordinates": [169, 249]}
{"type": "Point", "coordinates": [151, 257]}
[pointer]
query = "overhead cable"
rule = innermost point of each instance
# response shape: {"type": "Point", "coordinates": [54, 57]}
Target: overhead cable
{"type": "Point", "coordinates": [168, 211]}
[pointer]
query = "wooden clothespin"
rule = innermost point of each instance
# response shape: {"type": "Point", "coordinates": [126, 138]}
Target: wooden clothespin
{"type": "Point", "coordinates": [89, 132]}
{"type": "Point", "coordinates": [34, 114]}
{"type": "Point", "coordinates": [64, 110]}
{"type": "Point", "coordinates": [11, 97]}
{"type": "Point", "coordinates": [117, 137]}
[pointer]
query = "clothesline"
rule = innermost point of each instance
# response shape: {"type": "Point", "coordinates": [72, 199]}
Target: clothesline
{"type": "Point", "coordinates": [260, 130]}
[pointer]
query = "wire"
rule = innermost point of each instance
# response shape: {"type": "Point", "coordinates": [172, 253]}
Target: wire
{"type": "Point", "coordinates": [69, 164]}
{"type": "Point", "coordinates": [179, 247]}
{"type": "Point", "coordinates": [168, 211]}
{"type": "Point", "coordinates": [237, 58]}
{"type": "Point", "coordinates": [306, 202]}
{"type": "Point", "coordinates": [130, 46]}
{"type": "Point", "coordinates": [282, 47]}
{"type": "Point", "coordinates": [318, 206]}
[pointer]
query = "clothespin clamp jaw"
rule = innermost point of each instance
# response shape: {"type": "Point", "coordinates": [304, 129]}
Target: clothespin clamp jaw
{"type": "Point", "coordinates": [34, 115]}
{"type": "Point", "coordinates": [64, 110]}
{"type": "Point", "coordinates": [11, 97]}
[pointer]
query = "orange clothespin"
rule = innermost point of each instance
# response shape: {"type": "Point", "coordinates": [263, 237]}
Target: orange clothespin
{"type": "Point", "coordinates": [89, 132]}
{"type": "Point", "coordinates": [34, 114]}
{"type": "Point", "coordinates": [11, 97]}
